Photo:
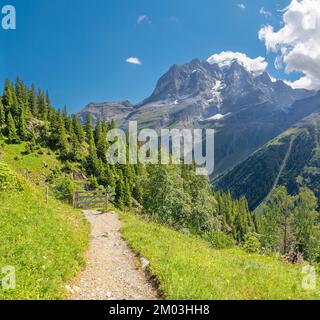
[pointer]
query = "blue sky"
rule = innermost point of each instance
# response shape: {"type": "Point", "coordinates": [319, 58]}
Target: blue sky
{"type": "Point", "coordinates": [78, 49]}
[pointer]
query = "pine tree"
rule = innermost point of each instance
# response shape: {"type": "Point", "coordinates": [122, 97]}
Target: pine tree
{"type": "Point", "coordinates": [78, 129]}
{"type": "Point", "coordinates": [93, 164]}
{"type": "Point", "coordinates": [42, 105]}
{"type": "Point", "coordinates": [12, 131]}
{"type": "Point", "coordinates": [276, 221]}
{"type": "Point", "coordinates": [100, 135]}
{"type": "Point", "coordinates": [66, 119]}
{"type": "Point", "coordinates": [22, 126]}
{"type": "Point", "coordinates": [103, 144]}
{"type": "Point", "coordinates": [62, 136]}
{"type": "Point", "coordinates": [9, 98]}
{"type": "Point", "coordinates": [89, 129]}
{"type": "Point", "coordinates": [22, 97]}
{"type": "Point", "coordinates": [305, 220]}
{"type": "Point", "coordinates": [127, 194]}
{"type": "Point", "coordinates": [98, 131]}
{"type": "Point", "coordinates": [33, 101]}
{"type": "Point", "coordinates": [110, 176]}
{"type": "Point", "coordinates": [2, 115]}
{"type": "Point", "coordinates": [75, 144]}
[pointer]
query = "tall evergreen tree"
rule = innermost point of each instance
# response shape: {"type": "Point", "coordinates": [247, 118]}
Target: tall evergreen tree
{"type": "Point", "coordinates": [9, 98]}
{"type": "Point", "coordinates": [78, 129]}
{"type": "Point", "coordinates": [22, 126]}
{"type": "Point", "coordinates": [12, 131]}
{"type": "Point", "coordinates": [76, 154]}
{"type": "Point", "coordinates": [305, 221]}
{"type": "Point", "coordinates": [42, 105]}
{"type": "Point", "coordinates": [62, 136]}
{"type": "Point", "coordinates": [276, 221]}
{"type": "Point", "coordinates": [2, 115]}
{"type": "Point", "coordinates": [33, 101]}
{"type": "Point", "coordinates": [89, 129]}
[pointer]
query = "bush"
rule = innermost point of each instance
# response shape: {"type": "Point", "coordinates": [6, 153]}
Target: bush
{"type": "Point", "coordinates": [251, 244]}
{"type": "Point", "coordinates": [8, 179]}
{"type": "Point", "coordinates": [63, 188]}
{"type": "Point", "coordinates": [219, 240]}
{"type": "Point", "coordinates": [93, 183]}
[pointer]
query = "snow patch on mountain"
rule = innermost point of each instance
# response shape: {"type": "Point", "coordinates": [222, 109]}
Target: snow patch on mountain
{"type": "Point", "coordinates": [218, 116]}
{"type": "Point", "coordinates": [216, 93]}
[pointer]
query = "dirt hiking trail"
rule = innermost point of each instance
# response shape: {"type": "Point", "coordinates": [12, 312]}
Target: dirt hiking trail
{"type": "Point", "coordinates": [111, 272]}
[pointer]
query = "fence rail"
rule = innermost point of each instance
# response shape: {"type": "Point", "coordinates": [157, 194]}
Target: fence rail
{"type": "Point", "coordinates": [90, 200]}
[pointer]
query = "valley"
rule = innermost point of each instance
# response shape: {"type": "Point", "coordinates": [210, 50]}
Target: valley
{"type": "Point", "coordinates": [291, 159]}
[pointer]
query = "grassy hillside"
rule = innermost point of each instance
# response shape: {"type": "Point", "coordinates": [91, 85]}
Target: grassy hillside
{"type": "Point", "coordinates": [292, 160]}
{"type": "Point", "coordinates": [35, 166]}
{"type": "Point", "coordinates": [188, 268]}
{"type": "Point", "coordinates": [46, 243]}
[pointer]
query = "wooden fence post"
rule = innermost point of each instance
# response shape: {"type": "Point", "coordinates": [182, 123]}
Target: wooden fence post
{"type": "Point", "coordinates": [47, 194]}
{"type": "Point", "coordinates": [106, 201]}
{"type": "Point", "coordinates": [74, 204]}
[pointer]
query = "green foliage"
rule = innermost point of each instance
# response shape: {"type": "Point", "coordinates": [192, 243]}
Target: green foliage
{"type": "Point", "coordinates": [219, 240]}
{"type": "Point", "coordinates": [306, 224]}
{"type": "Point", "coordinates": [251, 244]}
{"type": "Point", "coordinates": [175, 196]}
{"type": "Point", "coordinates": [27, 115]}
{"type": "Point", "coordinates": [63, 187]}
{"type": "Point", "coordinates": [9, 98]}
{"type": "Point", "coordinates": [2, 115]}
{"type": "Point", "coordinates": [12, 131]}
{"type": "Point", "coordinates": [8, 179]}
{"type": "Point", "coordinates": [165, 198]}
{"type": "Point", "coordinates": [235, 217]}
{"type": "Point", "coordinates": [290, 223]}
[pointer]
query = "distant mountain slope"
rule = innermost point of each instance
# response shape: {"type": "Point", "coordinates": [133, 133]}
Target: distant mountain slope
{"type": "Point", "coordinates": [199, 92]}
{"type": "Point", "coordinates": [246, 109]}
{"type": "Point", "coordinates": [108, 110]}
{"type": "Point", "coordinates": [292, 159]}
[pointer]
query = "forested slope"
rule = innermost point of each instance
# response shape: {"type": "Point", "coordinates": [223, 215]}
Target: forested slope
{"type": "Point", "coordinates": [291, 160]}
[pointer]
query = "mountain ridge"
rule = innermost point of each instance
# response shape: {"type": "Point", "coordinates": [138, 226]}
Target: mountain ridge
{"type": "Point", "coordinates": [246, 109]}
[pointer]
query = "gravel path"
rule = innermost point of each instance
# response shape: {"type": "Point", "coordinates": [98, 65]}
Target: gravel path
{"type": "Point", "coordinates": [111, 272]}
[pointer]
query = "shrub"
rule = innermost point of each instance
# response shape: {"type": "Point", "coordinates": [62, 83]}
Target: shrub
{"type": "Point", "coordinates": [219, 240]}
{"type": "Point", "coordinates": [63, 188]}
{"type": "Point", "coordinates": [251, 243]}
{"type": "Point", "coordinates": [93, 183]}
{"type": "Point", "coordinates": [8, 179]}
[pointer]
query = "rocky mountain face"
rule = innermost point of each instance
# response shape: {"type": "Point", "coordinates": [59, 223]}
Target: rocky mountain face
{"type": "Point", "coordinates": [246, 109]}
{"type": "Point", "coordinates": [215, 92]}
{"type": "Point", "coordinates": [292, 159]}
{"type": "Point", "coordinates": [107, 110]}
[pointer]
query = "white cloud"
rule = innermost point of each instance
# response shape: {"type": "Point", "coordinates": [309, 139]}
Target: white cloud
{"type": "Point", "coordinates": [133, 60]}
{"type": "Point", "coordinates": [297, 42]}
{"type": "Point", "coordinates": [143, 18]}
{"type": "Point", "coordinates": [224, 59]}
{"type": "Point", "coordinates": [265, 12]}
{"type": "Point", "coordinates": [241, 6]}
